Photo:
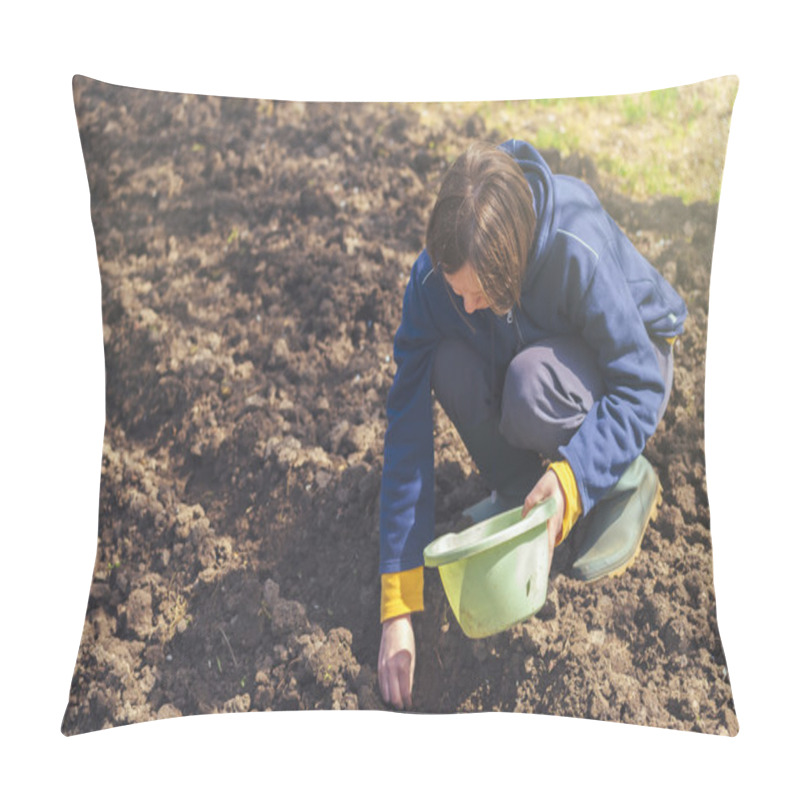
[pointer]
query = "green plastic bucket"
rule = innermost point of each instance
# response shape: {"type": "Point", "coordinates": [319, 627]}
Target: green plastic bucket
{"type": "Point", "coordinates": [495, 573]}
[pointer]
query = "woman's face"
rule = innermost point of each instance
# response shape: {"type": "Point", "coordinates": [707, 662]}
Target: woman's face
{"type": "Point", "coordinates": [465, 284]}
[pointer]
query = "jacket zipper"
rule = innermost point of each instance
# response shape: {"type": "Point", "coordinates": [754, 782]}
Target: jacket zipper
{"type": "Point", "coordinates": [512, 320]}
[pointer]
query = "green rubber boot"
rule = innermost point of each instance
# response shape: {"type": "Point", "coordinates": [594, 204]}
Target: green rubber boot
{"type": "Point", "coordinates": [496, 503]}
{"type": "Point", "coordinates": [613, 530]}
{"type": "Point", "coordinates": [510, 471]}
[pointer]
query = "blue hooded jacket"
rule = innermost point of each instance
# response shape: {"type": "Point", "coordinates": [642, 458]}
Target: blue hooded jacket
{"type": "Point", "coordinates": [584, 277]}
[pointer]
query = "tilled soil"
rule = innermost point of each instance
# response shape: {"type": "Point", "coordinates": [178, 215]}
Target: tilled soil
{"type": "Point", "coordinates": [253, 259]}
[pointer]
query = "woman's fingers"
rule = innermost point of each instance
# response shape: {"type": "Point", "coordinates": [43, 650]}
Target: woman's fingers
{"type": "Point", "coordinates": [396, 661]}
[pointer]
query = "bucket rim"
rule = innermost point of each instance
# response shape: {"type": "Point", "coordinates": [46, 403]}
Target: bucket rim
{"type": "Point", "coordinates": [454, 547]}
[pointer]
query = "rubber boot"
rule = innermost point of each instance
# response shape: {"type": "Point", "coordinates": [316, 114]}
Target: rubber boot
{"type": "Point", "coordinates": [509, 471]}
{"type": "Point", "coordinates": [613, 531]}
{"type": "Point", "coordinates": [496, 503]}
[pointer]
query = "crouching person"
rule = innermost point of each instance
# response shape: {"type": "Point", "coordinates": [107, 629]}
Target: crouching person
{"type": "Point", "coordinates": [543, 333]}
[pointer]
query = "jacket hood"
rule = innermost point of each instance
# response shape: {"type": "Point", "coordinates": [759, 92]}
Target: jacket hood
{"type": "Point", "coordinates": [540, 180]}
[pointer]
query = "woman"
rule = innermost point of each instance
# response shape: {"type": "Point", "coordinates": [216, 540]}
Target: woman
{"type": "Point", "coordinates": [543, 333]}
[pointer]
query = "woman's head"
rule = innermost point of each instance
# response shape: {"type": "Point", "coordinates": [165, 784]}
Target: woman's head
{"type": "Point", "coordinates": [484, 218]}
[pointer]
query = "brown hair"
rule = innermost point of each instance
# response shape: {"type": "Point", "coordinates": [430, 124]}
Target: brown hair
{"type": "Point", "coordinates": [484, 215]}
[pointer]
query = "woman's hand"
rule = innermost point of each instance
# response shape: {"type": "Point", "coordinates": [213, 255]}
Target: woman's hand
{"type": "Point", "coordinates": [548, 486]}
{"type": "Point", "coordinates": [396, 661]}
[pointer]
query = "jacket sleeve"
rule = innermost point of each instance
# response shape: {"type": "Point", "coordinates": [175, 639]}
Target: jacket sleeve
{"type": "Point", "coordinates": [618, 425]}
{"type": "Point", "coordinates": [407, 496]}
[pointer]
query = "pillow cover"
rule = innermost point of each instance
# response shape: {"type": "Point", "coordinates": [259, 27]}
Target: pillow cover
{"type": "Point", "coordinates": [253, 257]}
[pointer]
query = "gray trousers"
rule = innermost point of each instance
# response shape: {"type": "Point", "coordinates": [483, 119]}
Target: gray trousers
{"type": "Point", "coordinates": [510, 419]}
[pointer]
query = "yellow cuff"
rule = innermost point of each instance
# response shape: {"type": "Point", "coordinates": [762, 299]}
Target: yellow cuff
{"type": "Point", "coordinates": [401, 593]}
{"type": "Point", "coordinates": [572, 500]}
{"type": "Point", "coordinates": [671, 340]}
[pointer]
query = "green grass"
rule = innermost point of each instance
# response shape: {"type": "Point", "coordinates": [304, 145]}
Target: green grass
{"type": "Point", "coordinates": [665, 142]}
{"type": "Point", "coordinates": [564, 141]}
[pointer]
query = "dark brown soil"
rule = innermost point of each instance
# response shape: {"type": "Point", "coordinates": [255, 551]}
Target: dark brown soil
{"type": "Point", "coordinates": [253, 258]}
